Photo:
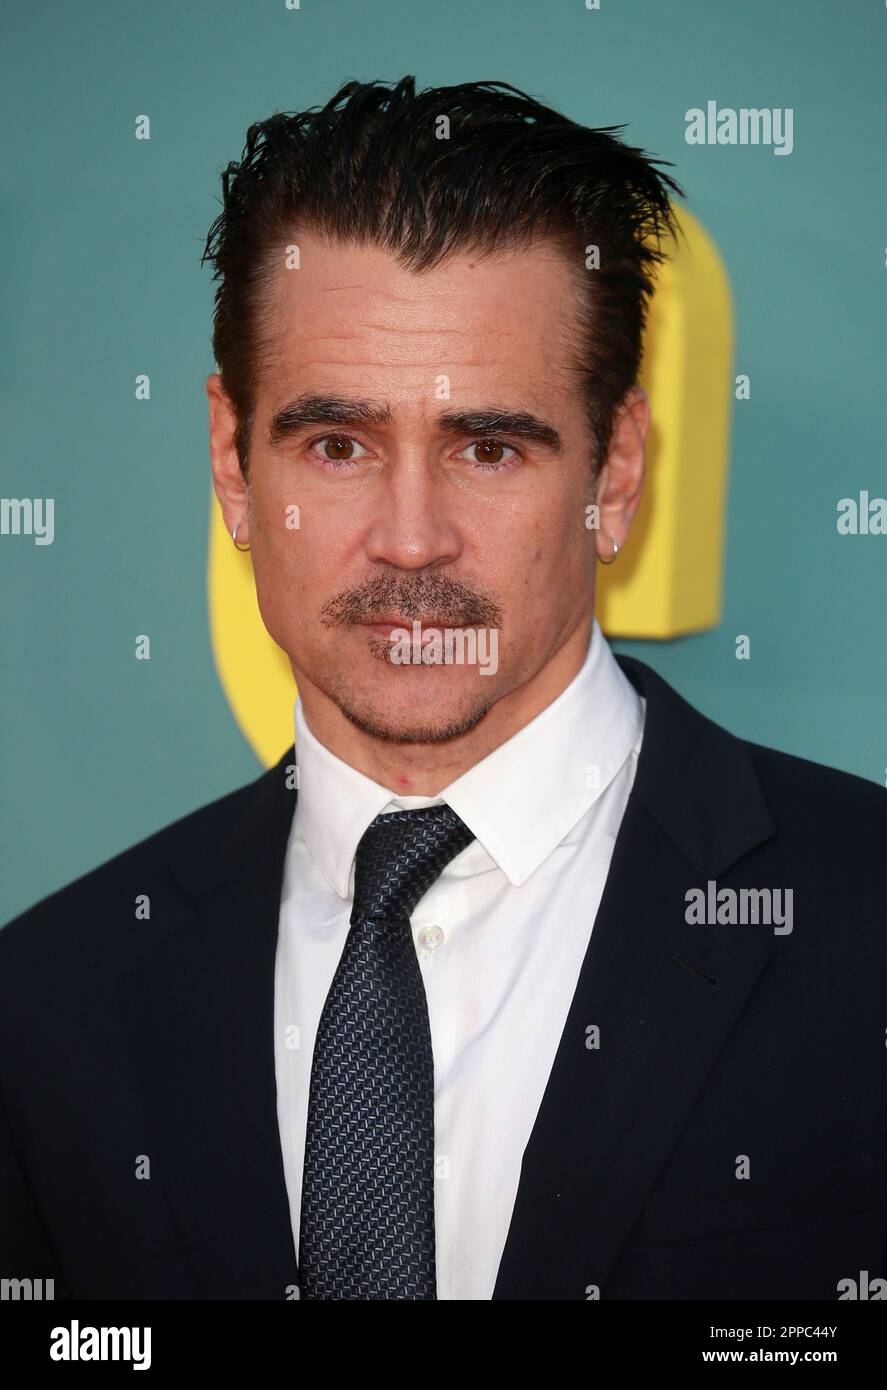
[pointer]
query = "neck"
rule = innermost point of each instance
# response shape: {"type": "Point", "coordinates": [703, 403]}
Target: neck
{"type": "Point", "coordinates": [424, 769]}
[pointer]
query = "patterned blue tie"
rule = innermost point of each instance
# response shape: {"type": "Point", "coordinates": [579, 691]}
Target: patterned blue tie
{"type": "Point", "coordinates": [367, 1220]}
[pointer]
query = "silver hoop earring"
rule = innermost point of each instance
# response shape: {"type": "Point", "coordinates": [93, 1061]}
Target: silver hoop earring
{"type": "Point", "coordinates": [234, 539]}
{"type": "Point", "coordinates": [612, 557]}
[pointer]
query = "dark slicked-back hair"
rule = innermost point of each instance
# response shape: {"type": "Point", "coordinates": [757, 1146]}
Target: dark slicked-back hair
{"type": "Point", "coordinates": [378, 165]}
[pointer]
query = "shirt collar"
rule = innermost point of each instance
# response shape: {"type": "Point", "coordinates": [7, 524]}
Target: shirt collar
{"type": "Point", "coordinates": [520, 801]}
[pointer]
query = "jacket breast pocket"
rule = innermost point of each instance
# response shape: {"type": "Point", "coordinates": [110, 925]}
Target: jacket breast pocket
{"type": "Point", "coordinates": [677, 1212]}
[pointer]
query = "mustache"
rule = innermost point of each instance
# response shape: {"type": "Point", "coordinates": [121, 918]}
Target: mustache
{"type": "Point", "coordinates": [451, 603]}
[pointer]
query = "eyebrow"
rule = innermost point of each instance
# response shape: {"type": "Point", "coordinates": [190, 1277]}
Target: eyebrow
{"type": "Point", "coordinates": [309, 410]}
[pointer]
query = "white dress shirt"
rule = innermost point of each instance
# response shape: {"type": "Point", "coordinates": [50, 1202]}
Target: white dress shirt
{"type": "Point", "coordinates": [500, 937]}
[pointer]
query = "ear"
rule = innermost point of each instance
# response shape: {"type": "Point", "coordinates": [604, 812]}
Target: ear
{"type": "Point", "coordinates": [621, 480]}
{"type": "Point", "coordinates": [231, 487]}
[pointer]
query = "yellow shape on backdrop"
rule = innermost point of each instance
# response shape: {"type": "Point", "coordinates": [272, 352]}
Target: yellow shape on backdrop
{"type": "Point", "coordinates": [668, 579]}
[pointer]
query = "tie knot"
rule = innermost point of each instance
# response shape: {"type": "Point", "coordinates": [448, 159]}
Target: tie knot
{"type": "Point", "coordinates": [399, 857]}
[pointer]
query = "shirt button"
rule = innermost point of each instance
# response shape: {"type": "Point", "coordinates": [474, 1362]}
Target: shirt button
{"type": "Point", "coordinates": [430, 939]}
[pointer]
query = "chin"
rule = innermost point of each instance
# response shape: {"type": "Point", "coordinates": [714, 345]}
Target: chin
{"type": "Point", "coordinates": [415, 723]}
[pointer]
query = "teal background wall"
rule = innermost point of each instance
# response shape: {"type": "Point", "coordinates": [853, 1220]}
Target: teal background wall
{"type": "Point", "coordinates": [101, 240]}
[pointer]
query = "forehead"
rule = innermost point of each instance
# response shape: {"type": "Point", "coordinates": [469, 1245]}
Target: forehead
{"type": "Point", "coordinates": [352, 310]}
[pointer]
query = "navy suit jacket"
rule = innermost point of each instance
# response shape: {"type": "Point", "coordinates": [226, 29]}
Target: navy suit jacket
{"type": "Point", "coordinates": [131, 1046]}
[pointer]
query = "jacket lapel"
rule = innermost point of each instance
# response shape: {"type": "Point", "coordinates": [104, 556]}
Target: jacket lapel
{"type": "Point", "coordinates": [199, 1019]}
{"type": "Point", "coordinates": [663, 994]}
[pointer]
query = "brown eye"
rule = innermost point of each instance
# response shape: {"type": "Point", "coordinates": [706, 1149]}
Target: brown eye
{"type": "Point", "coordinates": [492, 456]}
{"type": "Point", "coordinates": [489, 451]}
{"type": "Point", "coordinates": [338, 446]}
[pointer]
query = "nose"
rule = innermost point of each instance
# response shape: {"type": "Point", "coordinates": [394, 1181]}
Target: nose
{"type": "Point", "coordinates": [412, 524]}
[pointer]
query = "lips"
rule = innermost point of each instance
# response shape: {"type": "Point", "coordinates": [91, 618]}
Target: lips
{"type": "Point", "coordinates": [387, 624]}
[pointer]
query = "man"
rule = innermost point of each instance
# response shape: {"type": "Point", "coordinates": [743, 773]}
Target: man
{"type": "Point", "coordinates": [541, 985]}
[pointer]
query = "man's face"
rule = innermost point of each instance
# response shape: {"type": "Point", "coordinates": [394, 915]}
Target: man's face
{"type": "Point", "coordinates": [409, 515]}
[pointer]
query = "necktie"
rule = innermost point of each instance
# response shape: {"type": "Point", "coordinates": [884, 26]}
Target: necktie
{"type": "Point", "coordinates": [367, 1216]}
